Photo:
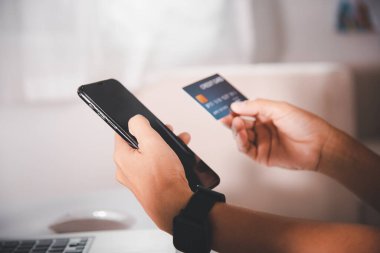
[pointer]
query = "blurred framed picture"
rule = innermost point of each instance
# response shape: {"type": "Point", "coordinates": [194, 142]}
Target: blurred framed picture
{"type": "Point", "coordinates": [355, 16]}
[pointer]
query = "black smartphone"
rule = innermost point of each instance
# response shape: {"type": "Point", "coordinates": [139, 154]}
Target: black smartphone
{"type": "Point", "coordinates": [116, 105]}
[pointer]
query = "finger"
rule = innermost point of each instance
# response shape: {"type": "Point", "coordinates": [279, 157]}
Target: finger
{"type": "Point", "coordinates": [237, 125]}
{"type": "Point", "coordinates": [241, 135]}
{"type": "Point", "coordinates": [120, 143]}
{"type": "Point", "coordinates": [140, 127]}
{"type": "Point", "coordinates": [245, 145]}
{"type": "Point", "coordinates": [275, 144]}
{"type": "Point", "coordinates": [252, 151]}
{"type": "Point", "coordinates": [248, 126]}
{"type": "Point", "coordinates": [263, 107]}
{"type": "Point", "coordinates": [170, 127]}
{"type": "Point", "coordinates": [263, 143]}
{"type": "Point", "coordinates": [227, 120]}
{"type": "Point", "coordinates": [122, 150]}
{"type": "Point", "coordinates": [251, 135]}
{"type": "Point", "coordinates": [248, 123]}
{"type": "Point", "coordinates": [273, 132]}
{"type": "Point", "coordinates": [242, 141]}
{"type": "Point", "coordinates": [185, 137]}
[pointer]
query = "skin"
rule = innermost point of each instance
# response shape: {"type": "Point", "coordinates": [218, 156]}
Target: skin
{"type": "Point", "coordinates": [281, 135]}
{"type": "Point", "coordinates": [289, 137]}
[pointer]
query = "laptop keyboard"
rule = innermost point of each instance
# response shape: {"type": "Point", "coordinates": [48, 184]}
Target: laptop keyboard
{"type": "Point", "coordinates": [56, 245]}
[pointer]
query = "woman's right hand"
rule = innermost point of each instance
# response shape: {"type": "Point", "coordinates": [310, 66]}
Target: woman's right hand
{"type": "Point", "coordinates": [280, 135]}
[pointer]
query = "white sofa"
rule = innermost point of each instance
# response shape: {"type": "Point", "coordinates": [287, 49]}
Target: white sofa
{"type": "Point", "coordinates": [57, 158]}
{"type": "Point", "coordinates": [324, 89]}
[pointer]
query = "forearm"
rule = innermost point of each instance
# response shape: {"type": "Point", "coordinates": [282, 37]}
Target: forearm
{"type": "Point", "coordinates": [353, 165]}
{"type": "Point", "coordinates": [240, 230]}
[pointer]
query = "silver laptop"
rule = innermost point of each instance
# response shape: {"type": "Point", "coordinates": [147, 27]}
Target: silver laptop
{"type": "Point", "coordinates": [121, 241]}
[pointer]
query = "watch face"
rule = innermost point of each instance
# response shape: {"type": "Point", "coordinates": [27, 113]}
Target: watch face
{"type": "Point", "coordinates": [191, 236]}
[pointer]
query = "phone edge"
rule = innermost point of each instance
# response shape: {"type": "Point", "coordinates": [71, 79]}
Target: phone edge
{"type": "Point", "coordinates": [106, 118]}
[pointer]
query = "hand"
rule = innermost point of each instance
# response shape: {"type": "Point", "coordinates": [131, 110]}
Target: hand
{"type": "Point", "coordinates": [153, 172]}
{"type": "Point", "coordinates": [185, 136]}
{"type": "Point", "coordinates": [281, 134]}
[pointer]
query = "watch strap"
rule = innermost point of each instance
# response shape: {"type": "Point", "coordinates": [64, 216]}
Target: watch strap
{"type": "Point", "coordinates": [201, 203]}
{"type": "Point", "coordinates": [191, 228]}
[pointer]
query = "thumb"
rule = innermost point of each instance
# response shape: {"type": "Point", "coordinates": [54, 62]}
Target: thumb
{"type": "Point", "coordinates": [140, 127]}
{"type": "Point", "coordinates": [261, 107]}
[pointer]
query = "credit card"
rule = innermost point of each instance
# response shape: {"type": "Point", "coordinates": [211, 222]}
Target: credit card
{"type": "Point", "coordinates": [214, 94]}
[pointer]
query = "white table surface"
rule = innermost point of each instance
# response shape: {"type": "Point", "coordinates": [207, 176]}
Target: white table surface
{"type": "Point", "coordinates": [31, 218]}
{"type": "Point", "coordinates": [123, 241]}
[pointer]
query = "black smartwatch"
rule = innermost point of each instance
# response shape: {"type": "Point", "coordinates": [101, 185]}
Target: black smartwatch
{"type": "Point", "coordinates": [191, 227]}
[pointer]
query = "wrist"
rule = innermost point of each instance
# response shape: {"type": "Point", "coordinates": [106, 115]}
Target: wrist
{"type": "Point", "coordinates": [336, 151]}
{"type": "Point", "coordinates": [174, 200]}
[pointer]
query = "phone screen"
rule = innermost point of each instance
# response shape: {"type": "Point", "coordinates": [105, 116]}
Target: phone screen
{"type": "Point", "coordinates": [116, 105]}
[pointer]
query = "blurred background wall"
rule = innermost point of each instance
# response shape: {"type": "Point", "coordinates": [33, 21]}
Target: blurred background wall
{"type": "Point", "coordinates": [51, 47]}
{"type": "Point", "coordinates": [48, 48]}
{"type": "Point", "coordinates": [305, 31]}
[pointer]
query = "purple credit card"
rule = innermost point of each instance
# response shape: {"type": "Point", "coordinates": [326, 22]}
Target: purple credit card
{"type": "Point", "coordinates": [214, 94]}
